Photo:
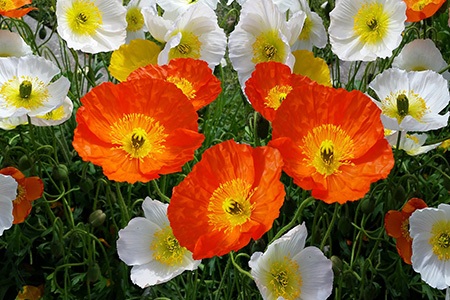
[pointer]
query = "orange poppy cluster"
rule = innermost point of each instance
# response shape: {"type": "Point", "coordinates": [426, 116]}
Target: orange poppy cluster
{"type": "Point", "coordinates": [328, 140]}
{"type": "Point", "coordinates": [28, 190]}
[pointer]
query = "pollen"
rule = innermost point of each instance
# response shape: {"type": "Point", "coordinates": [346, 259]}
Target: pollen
{"type": "Point", "coordinates": [24, 92]}
{"type": "Point", "coordinates": [371, 23]}
{"type": "Point", "coordinates": [139, 136]}
{"type": "Point", "coordinates": [166, 249]}
{"type": "Point", "coordinates": [419, 5]}
{"type": "Point", "coordinates": [440, 240]}
{"type": "Point", "coordinates": [6, 5]}
{"type": "Point", "coordinates": [404, 227]}
{"type": "Point", "coordinates": [268, 46]}
{"type": "Point", "coordinates": [84, 17]}
{"type": "Point", "coordinates": [285, 279]}
{"type": "Point", "coordinates": [328, 147]}
{"type": "Point", "coordinates": [21, 194]}
{"type": "Point", "coordinates": [135, 19]}
{"type": "Point", "coordinates": [276, 95]}
{"type": "Point", "coordinates": [184, 85]}
{"type": "Point", "coordinates": [404, 103]}
{"type": "Point", "coordinates": [189, 46]}
{"type": "Point", "coordinates": [230, 204]}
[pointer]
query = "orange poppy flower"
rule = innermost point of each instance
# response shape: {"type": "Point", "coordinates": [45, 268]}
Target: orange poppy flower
{"type": "Point", "coordinates": [269, 85]}
{"type": "Point", "coordinates": [332, 142]}
{"type": "Point", "coordinates": [422, 9]}
{"type": "Point", "coordinates": [232, 195]}
{"type": "Point", "coordinates": [137, 129]}
{"type": "Point", "coordinates": [192, 76]}
{"type": "Point", "coordinates": [28, 190]}
{"type": "Point", "coordinates": [12, 8]}
{"type": "Point", "coordinates": [396, 224]}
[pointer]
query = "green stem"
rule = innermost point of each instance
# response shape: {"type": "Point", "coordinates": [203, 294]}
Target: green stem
{"type": "Point", "coordinates": [160, 194]}
{"type": "Point", "coordinates": [288, 226]}
{"type": "Point", "coordinates": [337, 208]}
{"type": "Point", "coordinates": [238, 267]}
{"type": "Point", "coordinates": [123, 206]}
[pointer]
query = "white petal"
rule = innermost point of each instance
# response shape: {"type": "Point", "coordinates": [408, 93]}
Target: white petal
{"type": "Point", "coordinates": [8, 186]}
{"type": "Point", "coordinates": [133, 245]}
{"type": "Point", "coordinates": [12, 44]}
{"type": "Point", "coordinates": [316, 273]}
{"type": "Point", "coordinates": [156, 211]}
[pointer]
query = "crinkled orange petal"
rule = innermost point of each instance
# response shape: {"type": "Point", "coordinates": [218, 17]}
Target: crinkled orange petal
{"type": "Point", "coordinates": [34, 187]}
{"type": "Point", "coordinates": [404, 249]}
{"type": "Point", "coordinates": [108, 103]}
{"type": "Point", "coordinates": [205, 85]}
{"type": "Point", "coordinates": [412, 205]}
{"type": "Point", "coordinates": [393, 221]}
{"type": "Point", "coordinates": [11, 171]}
{"type": "Point", "coordinates": [220, 164]}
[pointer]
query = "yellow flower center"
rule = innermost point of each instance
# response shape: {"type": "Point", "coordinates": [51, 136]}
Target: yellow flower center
{"type": "Point", "coordinates": [371, 23]}
{"type": "Point", "coordinates": [189, 46]}
{"type": "Point", "coordinates": [184, 85]}
{"type": "Point", "coordinates": [166, 249]}
{"type": "Point", "coordinates": [230, 204]}
{"type": "Point", "coordinates": [21, 194]}
{"type": "Point", "coordinates": [29, 93]}
{"type": "Point", "coordinates": [55, 115]}
{"type": "Point", "coordinates": [327, 147]}
{"type": "Point", "coordinates": [285, 279]}
{"type": "Point", "coordinates": [84, 17]}
{"type": "Point", "coordinates": [135, 19]}
{"type": "Point", "coordinates": [6, 5]}
{"type": "Point", "coordinates": [138, 135]}
{"type": "Point", "coordinates": [268, 46]}
{"type": "Point", "coordinates": [405, 229]}
{"type": "Point", "coordinates": [276, 95]}
{"type": "Point", "coordinates": [402, 103]}
{"type": "Point", "coordinates": [306, 30]}
{"type": "Point", "coordinates": [440, 239]}
{"type": "Point", "coordinates": [419, 5]}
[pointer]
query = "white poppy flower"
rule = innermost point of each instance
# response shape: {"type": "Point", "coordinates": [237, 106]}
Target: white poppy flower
{"type": "Point", "coordinates": [288, 270]}
{"type": "Point", "coordinates": [313, 32]}
{"type": "Point", "coordinates": [12, 44]}
{"type": "Point", "coordinates": [148, 244]}
{"type": "Point", "coordinates": [26, 86]}
{"type": "Point", "coordinates": [195, 34]}
{"type": "Point", "coordinates": [420, 55]}
{"type": "Point", "coordinates": [430, 230]}
{"type": "Point", "coordinates": [366, 29]}
{"type": "Point", "coordinates": [411, 101]}
{"type": "Point", "coordinates": [262, 35]}
{"type": "Point", "coordinates": [412, 144]}
{"type": "Point", "coordinates": [92, 26]}
{"type": "Point", "coordinates": [8, 188]}
{"type": "Point", "coordinates": [135, 19]}
{"type": "Point", "coordinates": [57, 116]}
